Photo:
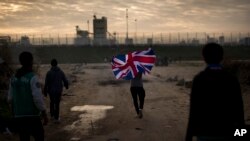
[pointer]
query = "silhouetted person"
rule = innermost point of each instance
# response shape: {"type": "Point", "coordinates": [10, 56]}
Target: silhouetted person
{"type": "Point", "coordinates": [216, 106]}
{"type": "Point", "coordinates": [54, 82]}
{"type": "Point", "coordinates": [26, 98]}
{"type": "Point", "coordinates": [4, 106]}
{"type": "Point", "coordinates": [138, 91]}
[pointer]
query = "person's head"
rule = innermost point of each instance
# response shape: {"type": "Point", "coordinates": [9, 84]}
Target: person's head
{"type": "Point", "coordinates": [26, 59]}
{"type": "Point", "coordinates": [53, 62]}
{"type": "Point", "coordinates": [212, 53]}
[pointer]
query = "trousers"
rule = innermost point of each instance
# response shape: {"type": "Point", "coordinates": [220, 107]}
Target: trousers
{"type": "Point", "coordinates": [55, 105]}
{"type": "Point", "coordinates": [30, 126]}
{"type": "Point", "coordinates": [138, 92]}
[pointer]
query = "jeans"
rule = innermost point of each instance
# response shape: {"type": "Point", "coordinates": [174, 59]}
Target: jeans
{"type": "Point", "coordinates": [138, 92]}
{"type": "Point", "coordinates": [30, 126]}
{"type": "Point", "coordinates": [55, 105]}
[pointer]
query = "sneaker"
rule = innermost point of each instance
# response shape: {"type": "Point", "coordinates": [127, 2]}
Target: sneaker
{"type": "Point", "coordinates": [140, 115]}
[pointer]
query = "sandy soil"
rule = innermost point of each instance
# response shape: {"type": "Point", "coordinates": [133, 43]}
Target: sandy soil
{"type": "Point", "coordinates": [97, 107]}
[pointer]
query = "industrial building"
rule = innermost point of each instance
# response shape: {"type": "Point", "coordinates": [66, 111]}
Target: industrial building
{"type": "Point", "coordinates": [100, 28]}
{"type": "Point", "coordinates": [100, 33]}
{"type": "Point", "coordinates": [82, 37]}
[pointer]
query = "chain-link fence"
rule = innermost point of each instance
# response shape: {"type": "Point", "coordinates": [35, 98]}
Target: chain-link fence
{"type": "Point", "coordinates": [131, 38]}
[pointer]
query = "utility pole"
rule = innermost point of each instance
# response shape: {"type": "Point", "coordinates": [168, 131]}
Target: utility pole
{"type": "Point", "coordinates": [88, 25]}
{"type": "Point", "coordinates": [135, 30]}
{"type": "Point", "coordinates": [127, 23]}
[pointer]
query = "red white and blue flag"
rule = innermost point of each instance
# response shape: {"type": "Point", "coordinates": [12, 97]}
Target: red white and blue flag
{"type": "Point", "coordinates": [127, 66]}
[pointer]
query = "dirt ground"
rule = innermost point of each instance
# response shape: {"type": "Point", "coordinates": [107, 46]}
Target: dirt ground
{"type": "Point", "coordinates": [97, 107]}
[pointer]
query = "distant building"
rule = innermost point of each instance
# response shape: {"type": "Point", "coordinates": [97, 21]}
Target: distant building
{"type": "Point", "coordinates": [82, 37]}
{"type": "Point", "coordinates": [221, 40]}
{"type": "Point", "coordinates": [245, 41]}
{"type": "Point", "coordinates": [5, 41]}
{"type": "Point", "coordinates": [150, 41]}
{"type": "Point", "coordinates": [112, 38]}
{"type": "Point", "coordinates": [25, 41]}
{"type": "Point", "coordinates": [128, 41]}
{"type": "Point", "coordinates": [211, 40]}
{"type": "Point", "coordinates": [100, 29]}
{"type": "Point", "coordinates": [195, 42]}
{"type": "Point", "coordinates": [182, 42]}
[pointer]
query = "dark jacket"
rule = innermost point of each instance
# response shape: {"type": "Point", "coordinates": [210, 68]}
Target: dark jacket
{"type": "Point", "coordinates": [216, 106]}
{"type": "Point", "coordinates": [54, 81]}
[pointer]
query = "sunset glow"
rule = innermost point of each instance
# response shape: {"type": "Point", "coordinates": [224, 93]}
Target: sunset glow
{"type": "Point", "coordinates": [61, 16]}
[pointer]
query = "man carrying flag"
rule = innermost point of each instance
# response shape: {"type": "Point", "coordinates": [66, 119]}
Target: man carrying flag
{"type": "Point", "coordinates": [138, 91]}
{"type": "Point", "coordinates": [130, 67]}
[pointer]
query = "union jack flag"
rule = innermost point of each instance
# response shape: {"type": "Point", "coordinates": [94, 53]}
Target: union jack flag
{"type": "Point", "coordinates": [128, 65]}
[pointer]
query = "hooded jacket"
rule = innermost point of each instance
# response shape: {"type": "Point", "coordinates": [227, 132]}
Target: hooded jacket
{"type": "Point", "coordinates": [216, 105]}
{"type": "Point", "coordinates": [54, 81]}
{"type": "Point", "coordinates": [25, 94]}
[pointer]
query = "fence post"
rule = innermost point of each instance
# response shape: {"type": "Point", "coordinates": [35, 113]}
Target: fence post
{"type": "Point", "coordinates": [179, 37]}
{"type": "Point", "coordinates": [66, 40]}
{"type": "Point", "coordinates": [33, 39]}
{"type": "Point", "coordinates": [231, 39]}
{"type": "Point", "coordinates": [170, 38]}
{"type": "Point", "coordinates": [239, 37]}
{"type": "Point", "coordinates": [50, 39]}
{"type": "Point", "coordinates": [41, 39]}
{"type": "Point", "coordinates": [161, 39]}
{"type": "Point", "coordinates": [205, 37]}
{"type": "Point", "coordinates": [143, 37]}
{"type": "Point", "coordinates": [58, 40]}
{"type": "Point", "coordinates": [16, 38]}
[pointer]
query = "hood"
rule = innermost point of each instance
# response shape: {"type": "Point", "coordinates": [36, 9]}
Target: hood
{"type": "Point", "coordinates": [55, 68]}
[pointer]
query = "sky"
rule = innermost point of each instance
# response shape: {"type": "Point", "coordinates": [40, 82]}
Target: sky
{"type": "Point", "coordinates": [162, 16]}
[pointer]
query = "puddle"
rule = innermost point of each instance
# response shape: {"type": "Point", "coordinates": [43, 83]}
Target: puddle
{"type": "Point", "coordinates": [86, 121]}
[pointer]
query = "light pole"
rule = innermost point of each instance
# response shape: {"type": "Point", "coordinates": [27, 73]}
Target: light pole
{"type": "Point", "coordinates": [88, 25]}
{"type": "Point", "coordinates": [135, 31]}
{"type": "Point", "coordinates": [127, 22]}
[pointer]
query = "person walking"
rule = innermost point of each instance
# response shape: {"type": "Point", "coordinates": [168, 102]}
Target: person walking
{"type": "Point", "coordinates": [54, 82]}
{"type": "Point", "coordinates": [216, 105]}
{"type": "Point", "coordinates": [25, 96]}
{"type": "Point", "coordinates": [138, 91]}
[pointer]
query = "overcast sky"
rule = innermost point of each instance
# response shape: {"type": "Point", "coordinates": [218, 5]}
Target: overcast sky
{"type": "Point", "coordinates": [61, 16]}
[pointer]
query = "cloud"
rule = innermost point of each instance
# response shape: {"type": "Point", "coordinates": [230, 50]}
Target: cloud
{"type": "Point", "coordinates": [152, 15]}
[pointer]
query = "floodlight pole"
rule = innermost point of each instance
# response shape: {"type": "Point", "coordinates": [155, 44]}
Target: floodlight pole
{"type": "Point", "coordinates": [127, 23]}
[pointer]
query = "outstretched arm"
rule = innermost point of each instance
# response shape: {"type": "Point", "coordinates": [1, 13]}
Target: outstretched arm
{"type": "Point", "coordinates": [65, 81]}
